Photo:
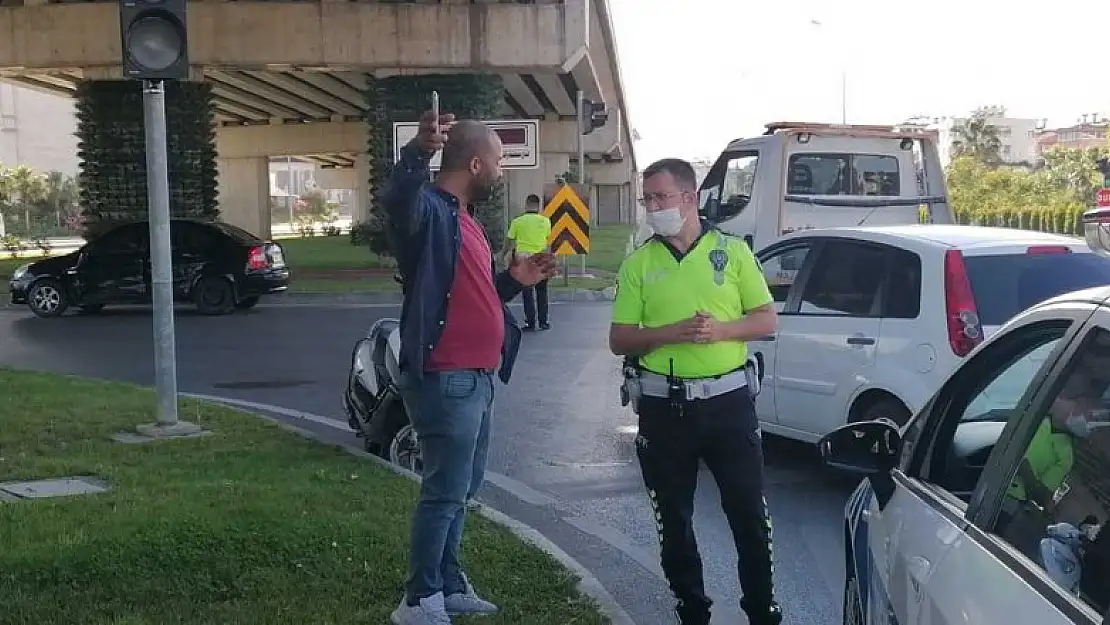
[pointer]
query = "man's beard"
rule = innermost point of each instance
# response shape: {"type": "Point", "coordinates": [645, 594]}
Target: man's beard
{"type": "Point", "coordinates": [482, 190]}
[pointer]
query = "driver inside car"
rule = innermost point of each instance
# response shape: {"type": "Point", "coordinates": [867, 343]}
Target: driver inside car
{"type": "Point", "coordinates": [1030, 503]}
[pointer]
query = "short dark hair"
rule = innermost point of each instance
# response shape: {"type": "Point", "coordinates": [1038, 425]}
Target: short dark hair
{"type": "Point", "coordinates": [532, 199]}
{"type": "Point", "coordinates": [468, 138]}
{"type": "Point", "coordinates": [680, 170]}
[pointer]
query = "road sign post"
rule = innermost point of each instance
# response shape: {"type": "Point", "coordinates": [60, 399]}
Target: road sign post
{"type": "Point", "coordinates": [1103, 197]}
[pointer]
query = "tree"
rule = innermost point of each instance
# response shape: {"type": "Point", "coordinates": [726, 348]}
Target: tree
{"type": "Point", "coordinates": [58, 208]}
{"type": "Point", "coordinates": [20, 189]}
{"type": "Point", "coordinates": [1012, 198]}
{"type": "Point", "coordinates": [978, 138]}
{"type": "Point", "coordinates": [1075, 169]}
{"type": "Point", "coordinates": [405, 98]}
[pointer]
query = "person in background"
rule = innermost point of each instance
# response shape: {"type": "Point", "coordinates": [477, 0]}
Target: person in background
{"type": "Point", "coordinates": [528, 235]}
{"type": "Point", "coordinates": [687, 302]}
{"type": "Point", "coordinates": [455, 332]}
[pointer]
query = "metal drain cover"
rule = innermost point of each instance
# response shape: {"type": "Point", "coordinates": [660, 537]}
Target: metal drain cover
{"type": "Point", "coordinates": [61, 487]}
{"type": "Point", "coordinates": [262, 384]}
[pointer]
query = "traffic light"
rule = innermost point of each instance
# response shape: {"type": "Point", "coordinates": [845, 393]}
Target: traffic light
{"type": "Point", "coordinates": [594, 116]}
{"type": "Point", "coordinates": [155, 46]}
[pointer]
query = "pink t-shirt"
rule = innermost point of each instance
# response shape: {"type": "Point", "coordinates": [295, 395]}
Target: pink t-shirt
{"type": "Point", "coordinates": [475, 326]}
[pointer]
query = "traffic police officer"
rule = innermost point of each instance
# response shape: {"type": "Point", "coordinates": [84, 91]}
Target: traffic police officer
{"type": "Point", "coordinates": [687, 301]}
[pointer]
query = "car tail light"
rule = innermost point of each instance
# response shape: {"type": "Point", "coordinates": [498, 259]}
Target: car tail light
{"type": "Point", "coordinates": [964, 331]}
{"type": "Point", "coordinates": [256, 258]}
{"type": "Point", "coordinates": [1048, 249]}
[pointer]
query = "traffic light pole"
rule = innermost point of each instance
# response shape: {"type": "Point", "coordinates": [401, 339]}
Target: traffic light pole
{"type": "Point", "coordinates": [580, 106]}
{"type": "Point", "coordinates": [158, 196]}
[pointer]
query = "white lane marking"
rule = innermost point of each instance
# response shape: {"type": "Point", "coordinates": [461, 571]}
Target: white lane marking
{"type": "Point", "coordinates": [286, 412]}
{"type": "Point", "coordinates": [520, 490]}
{"type": "Point", "coordinates": [621, 542]}
{"type": "Point", "coordinates": [516, 488]}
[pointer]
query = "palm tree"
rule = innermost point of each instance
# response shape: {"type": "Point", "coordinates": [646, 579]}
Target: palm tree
{"type": "Point", "coordinates": [5, 196]}
{"type": "Point", "coordinates": [28, 186]}
{"type": "Point", "coordinates": [60, 197]}
{"type": "Point", "coordinates": [978, 138]}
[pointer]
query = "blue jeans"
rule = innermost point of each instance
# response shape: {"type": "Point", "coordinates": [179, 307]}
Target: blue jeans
{"type": "Point", "coordinates": [451, 413]}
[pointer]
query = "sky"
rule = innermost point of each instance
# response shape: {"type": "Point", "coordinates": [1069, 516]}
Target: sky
{"type": "Point", "coordinates": [699, 73]}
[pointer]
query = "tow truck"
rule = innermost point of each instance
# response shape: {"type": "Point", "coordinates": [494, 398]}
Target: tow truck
{"type": "Point", "coordinates": [802, 175]}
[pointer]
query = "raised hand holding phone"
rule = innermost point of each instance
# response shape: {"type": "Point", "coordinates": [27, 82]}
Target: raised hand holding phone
{"type": "Point", "coordinates": [434, 126]}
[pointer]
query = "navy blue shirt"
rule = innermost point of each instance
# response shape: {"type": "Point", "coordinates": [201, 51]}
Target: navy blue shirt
{"type": "Point", "coordinates": [425, 238]}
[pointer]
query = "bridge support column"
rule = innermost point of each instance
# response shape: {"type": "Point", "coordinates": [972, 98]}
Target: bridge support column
{"type": "Point", "coordinates": [361, 209]}
{"type": "Point", "coordinates": [245, 193]}
{"type": "Point", "coordinates": [112, 153]}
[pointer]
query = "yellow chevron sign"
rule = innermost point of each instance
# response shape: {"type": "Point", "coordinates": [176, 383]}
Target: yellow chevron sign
{"type": "Point", "coordinates": [570, 220]}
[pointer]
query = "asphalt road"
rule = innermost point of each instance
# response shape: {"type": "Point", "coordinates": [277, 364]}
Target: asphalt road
{"type": "Point", "coordinates": [562, 458]}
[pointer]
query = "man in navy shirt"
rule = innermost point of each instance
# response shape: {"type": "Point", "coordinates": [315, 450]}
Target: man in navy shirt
{"type": "Point", "coordinates": [455, 334]}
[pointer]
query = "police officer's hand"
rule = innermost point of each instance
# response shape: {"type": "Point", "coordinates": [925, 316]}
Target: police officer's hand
{"type": "Point", "coordinates": [432, 136]}
{"type": "Point", "coordinates": [685, 331]}
{"type": "Point", "coordinates": [706, 328]}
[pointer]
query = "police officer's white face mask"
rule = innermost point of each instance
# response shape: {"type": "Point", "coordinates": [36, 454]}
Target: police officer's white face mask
{"type": "Point", "coordinates": [666, 222]}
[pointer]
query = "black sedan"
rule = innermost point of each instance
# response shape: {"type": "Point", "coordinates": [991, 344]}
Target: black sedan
{"type": "Point", "coordinates": [216, 266]}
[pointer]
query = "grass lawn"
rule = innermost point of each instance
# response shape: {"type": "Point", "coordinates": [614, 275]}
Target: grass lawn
{"type": "Point", "coordinates": [251, 525]}
{"type": "Point", "coordinates": [333, 265]}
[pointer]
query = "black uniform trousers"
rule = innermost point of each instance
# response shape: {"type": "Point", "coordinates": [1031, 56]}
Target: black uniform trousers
{"type": "Point", "coordinates": [724, 431]}
{"type": "Point", "coordinates": [532, 296]}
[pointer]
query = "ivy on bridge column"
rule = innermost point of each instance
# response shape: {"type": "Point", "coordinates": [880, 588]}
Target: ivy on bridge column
{"type": "Point", "coordinates": [112, 153]}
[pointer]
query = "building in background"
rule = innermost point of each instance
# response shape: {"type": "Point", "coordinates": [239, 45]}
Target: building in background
{"type": "Point", "coordinates": [1018, 136]}
{"type": "Point", "coordinates": [1089, 131]}
{"type": "Point", "coordinates": [37, 130]}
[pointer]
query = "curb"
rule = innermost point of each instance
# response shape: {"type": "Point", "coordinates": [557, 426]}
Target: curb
{"type": "Point", "coordinates": [384, 299]}
{"type": "Point", "coordinates": [588, 584]}
{"type": "Point", "coordinates": [371, 297]}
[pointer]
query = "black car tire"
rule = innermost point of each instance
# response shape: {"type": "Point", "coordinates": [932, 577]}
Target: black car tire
{"type": "Point", "coordinates": [853, 611]}
{"type": "Point", "coordinates": [887, 408]}
{"type": "Point", "coordinates": [47, 298]}
{"type": "Point", "coordinates": [247, 303]}
{"type": "Point", "coordinates": [214, 296]}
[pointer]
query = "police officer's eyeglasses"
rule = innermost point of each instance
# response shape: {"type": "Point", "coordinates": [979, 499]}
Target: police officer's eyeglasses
{"type": "Point", "coordinates": [659, 198]}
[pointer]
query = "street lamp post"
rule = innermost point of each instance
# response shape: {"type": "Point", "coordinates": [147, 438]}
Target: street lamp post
{"type": "Point", "coordinates": [843, 82]}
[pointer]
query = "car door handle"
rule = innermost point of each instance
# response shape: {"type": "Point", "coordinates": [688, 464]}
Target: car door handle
{"type": "Point", "coordinates": [860, 340]}
{"type": "Point", "coordinates": [765, 339]}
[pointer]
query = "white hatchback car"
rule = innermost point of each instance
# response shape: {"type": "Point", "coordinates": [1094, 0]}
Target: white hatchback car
{"type": "Point", "coordinates": [873, 319]}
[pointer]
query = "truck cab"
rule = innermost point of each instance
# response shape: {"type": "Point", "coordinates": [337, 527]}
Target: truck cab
{"type": "Point", "coordinates": [799, 176]}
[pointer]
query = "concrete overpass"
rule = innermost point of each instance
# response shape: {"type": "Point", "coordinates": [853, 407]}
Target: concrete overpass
{"type": "Point", "coordinates": [289, 79]}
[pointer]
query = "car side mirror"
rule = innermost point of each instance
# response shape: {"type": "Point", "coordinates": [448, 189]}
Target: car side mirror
{"type": "Point", "coordinates": [867, 447]}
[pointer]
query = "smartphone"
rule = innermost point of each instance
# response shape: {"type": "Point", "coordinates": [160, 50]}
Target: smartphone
{"type": "Point", "coordinates": [435, 109]}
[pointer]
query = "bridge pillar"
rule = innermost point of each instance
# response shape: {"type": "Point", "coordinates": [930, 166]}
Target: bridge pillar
{"type": "Point", "coordinates": [245, 193]}
{"type": "Point", "coordinates": [361, 209]}
{"type": "Point", "coordinates": [112, 152]}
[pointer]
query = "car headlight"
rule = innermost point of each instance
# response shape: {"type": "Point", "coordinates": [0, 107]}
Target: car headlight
{"type": "Point", "coordinates": [20, 271]}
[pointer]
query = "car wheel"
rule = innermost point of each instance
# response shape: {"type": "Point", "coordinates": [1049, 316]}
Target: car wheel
{"type": "Point", "coordinates": [90, 309]}
{"type": "Point", "coordinates": [47, 298]}
{"type": "Point", "coordinates": [886, 408]}
{"type": "Point", "coordinates": [404, 450]}
{"type": "Point", "coordinates": [214, 296]}
{"type": "Point", "coordinates": [853, 611]}
{"type": "Point", "coordinates": [247, 303]}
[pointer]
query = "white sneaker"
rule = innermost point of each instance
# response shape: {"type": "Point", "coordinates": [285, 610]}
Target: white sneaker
{"type": "Point", "coordinates": [430, 611]}
{"type": "Point", "coordinates": [468, 603]}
